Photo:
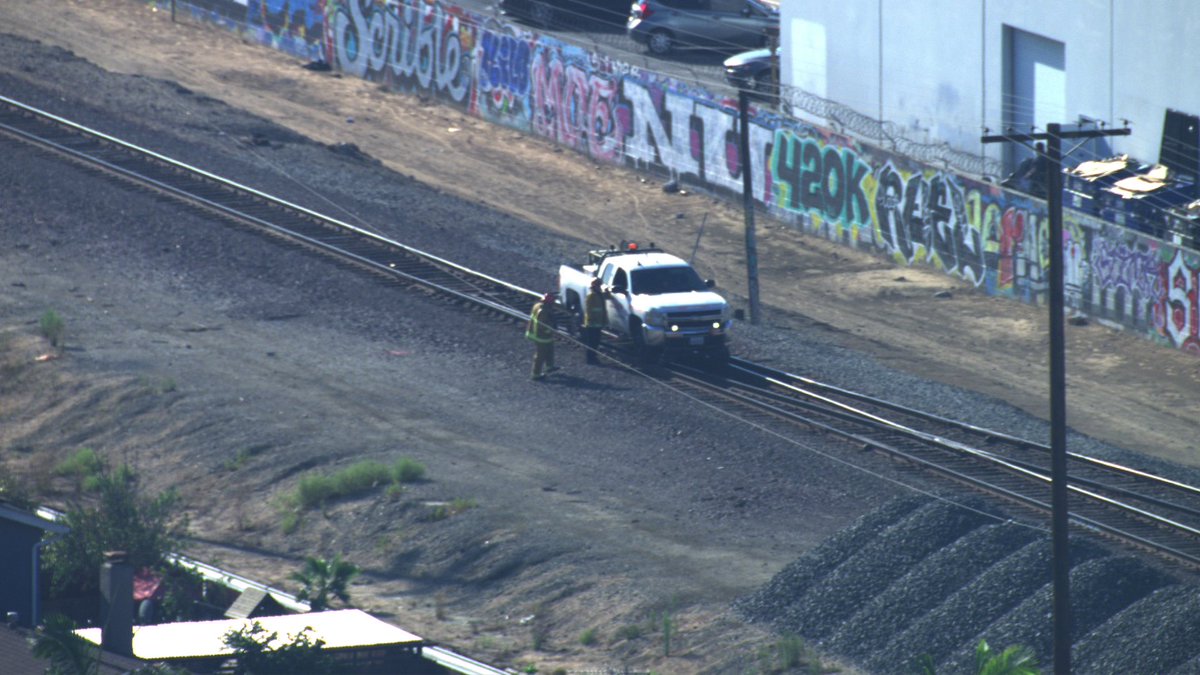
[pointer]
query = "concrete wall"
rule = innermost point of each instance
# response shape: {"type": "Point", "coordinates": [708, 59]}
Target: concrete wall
{"type": "Point", "coordinates": [936, 67]}
{"type": "Point", "coordinates": [824, 182]}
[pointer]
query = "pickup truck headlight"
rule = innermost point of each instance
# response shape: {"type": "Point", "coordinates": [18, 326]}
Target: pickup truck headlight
{"type": "Point", "coordinates": [721, 323]}
{"type": "Point", "coordinates": [656, 318]}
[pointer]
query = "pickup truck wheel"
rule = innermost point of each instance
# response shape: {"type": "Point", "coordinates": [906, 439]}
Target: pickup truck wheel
{"type": "Point", "coordinates": [645, 353]}
{"type": "Point", "coordinates": [576, 315]}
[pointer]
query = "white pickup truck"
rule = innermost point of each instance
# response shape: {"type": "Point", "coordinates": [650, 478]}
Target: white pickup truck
{"type": "Point", "coordinates": [655, 299]}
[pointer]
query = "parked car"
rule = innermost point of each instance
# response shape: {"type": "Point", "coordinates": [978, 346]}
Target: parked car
{"type": "Point", "coordinates": [567, 13]}
{"type": "Point", "coordinates": [756, 71]}
{"type": "Point", "coordinates": [723, 25]}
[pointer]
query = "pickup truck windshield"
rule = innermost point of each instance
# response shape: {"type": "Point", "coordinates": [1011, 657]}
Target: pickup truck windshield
{"type": "Point", "coordinates": [666, 280]}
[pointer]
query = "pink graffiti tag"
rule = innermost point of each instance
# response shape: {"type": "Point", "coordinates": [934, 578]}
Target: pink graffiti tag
{"type": "Point", "coordinates": [573, 108]}
{"type": "Point", "coordinates": [1012, 231]}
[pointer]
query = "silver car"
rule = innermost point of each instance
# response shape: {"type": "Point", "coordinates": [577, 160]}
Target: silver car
{"type": "Point", "coordinates": [722, 25]}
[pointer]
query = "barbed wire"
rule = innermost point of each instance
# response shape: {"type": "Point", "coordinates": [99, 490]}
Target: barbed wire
{"type": "Point", "coordinates": [888, 133]}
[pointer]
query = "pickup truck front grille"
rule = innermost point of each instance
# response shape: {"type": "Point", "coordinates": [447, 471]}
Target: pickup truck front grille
{"type": "Point", "coordinates": [690, 326]}
{"type": "Point", "coordinates": [699, 314]}
{"type": "Point", "coordinates": [694, 321]}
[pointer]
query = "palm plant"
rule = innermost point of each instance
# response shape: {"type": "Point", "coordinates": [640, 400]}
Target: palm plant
{"type": "Point", "coordinates": [1016, 660]}
{"type": "Point", "coordinates": [323, 578]}
{"type": "Point", "coordinates": [67, 653]}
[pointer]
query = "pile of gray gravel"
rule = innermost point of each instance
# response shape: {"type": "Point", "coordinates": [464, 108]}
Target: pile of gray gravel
{"type": "Point", "coordinates": [924, 578]}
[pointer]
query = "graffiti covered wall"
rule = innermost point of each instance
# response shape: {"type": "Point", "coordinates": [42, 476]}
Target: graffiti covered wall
{"type": "Point", "coordinates": [828, 184]}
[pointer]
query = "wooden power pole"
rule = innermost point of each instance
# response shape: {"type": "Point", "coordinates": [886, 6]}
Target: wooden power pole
{"type": "Point", "coordinates": [1061, 554]}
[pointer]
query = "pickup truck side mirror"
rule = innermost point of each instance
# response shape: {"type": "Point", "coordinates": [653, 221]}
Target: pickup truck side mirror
{"type": "Point", "coordinates": [710, 283]}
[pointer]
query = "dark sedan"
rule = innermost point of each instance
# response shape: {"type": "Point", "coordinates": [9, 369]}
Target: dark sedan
{"type": "Point", "coordinates": [756, 71]}
{"type": "Point", "coordinates": [569, 13]}
{"type": "Point", "coordinates": [721, 25]}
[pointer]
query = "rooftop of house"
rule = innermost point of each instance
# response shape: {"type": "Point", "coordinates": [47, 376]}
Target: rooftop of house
{"type": "Point", "coordinates": [341, 629]}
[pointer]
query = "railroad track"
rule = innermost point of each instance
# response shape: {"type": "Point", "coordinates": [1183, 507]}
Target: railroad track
{"type": "Point", "coordinates": [1134, 507]}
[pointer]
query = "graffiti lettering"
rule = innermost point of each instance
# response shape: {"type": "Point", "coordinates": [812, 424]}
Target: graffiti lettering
{"type": "Point", "coordinates": [1176, 315]}
{"type": "Point", "coordinates": [424, 43]}
{"type": "Point", "coordinates": [1133, 270]}
{"type": "Point", "coordinates": [829, 180]}
{"type": "Point", "coordinates": [503, 68]}
{"type": "Point", "coordinates": [648, 142]}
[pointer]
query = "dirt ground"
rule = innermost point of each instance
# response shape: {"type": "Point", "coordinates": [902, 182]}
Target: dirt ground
{"type": "Point", "coordinates": [1122, 389]}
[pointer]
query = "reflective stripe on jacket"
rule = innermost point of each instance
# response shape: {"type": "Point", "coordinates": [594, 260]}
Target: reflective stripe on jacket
{"type": "Point", "coordinates": [538, 330]}
{"type": "Point", "coordinates": [595, 315]}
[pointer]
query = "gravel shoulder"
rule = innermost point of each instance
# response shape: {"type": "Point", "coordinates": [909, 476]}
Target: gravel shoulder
{"type": "Point", "coordinates": [600, 500]}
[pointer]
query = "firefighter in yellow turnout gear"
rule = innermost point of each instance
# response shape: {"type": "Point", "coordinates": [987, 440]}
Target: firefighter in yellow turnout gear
{"type": "Point", "coordinates": [540, 330]}
{"type": "Point", "coordinates": [595, 317]}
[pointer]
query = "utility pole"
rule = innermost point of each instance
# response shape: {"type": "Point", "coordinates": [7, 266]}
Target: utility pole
{"type": "Point", "coordinates": [775, 88]}
{"type": "Point", "coordinates": [748, 203]}
{"type": "Point", "coordinates": [1061, 554]}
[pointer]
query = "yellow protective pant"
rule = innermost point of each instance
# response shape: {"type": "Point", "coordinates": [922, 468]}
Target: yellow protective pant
{"type": "Point", "coordinates": [543, 358]}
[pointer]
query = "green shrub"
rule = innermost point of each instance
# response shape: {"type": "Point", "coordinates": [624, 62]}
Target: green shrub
{"type": "Point", "coordinates": [15, 491]}
{"type": "Point", "coordinates": [92, 483]}
{"type": "Point", "coordinates": [313, 491]}
{"type": "Point", "coordinates": [631, 631]}
{"type": "Point", "coordinates": [85, 462]}
{"type": "Point", "coordinates": [407, 470]}
{"type": "Point", "coordinates": [122, 519]}
{"type": "Point", "coordinates": [52, 327]}
{"type": "Point", "coordinates": [790, 654]}
{"type": "Point", "coordinates": [588, 637]}
{"type": "Point", "coordinates": [453, 508]}
{"type": "Point", "coordinates": [792, 651]}
{"type": "Point", "coordinates": [243, 456]}
{"type": "Point", "coordinates": [290, 521]}
{"type": "Point", "coordinates": [258, 651]}
{"type": "Point", "coordinates": [359, 477]}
